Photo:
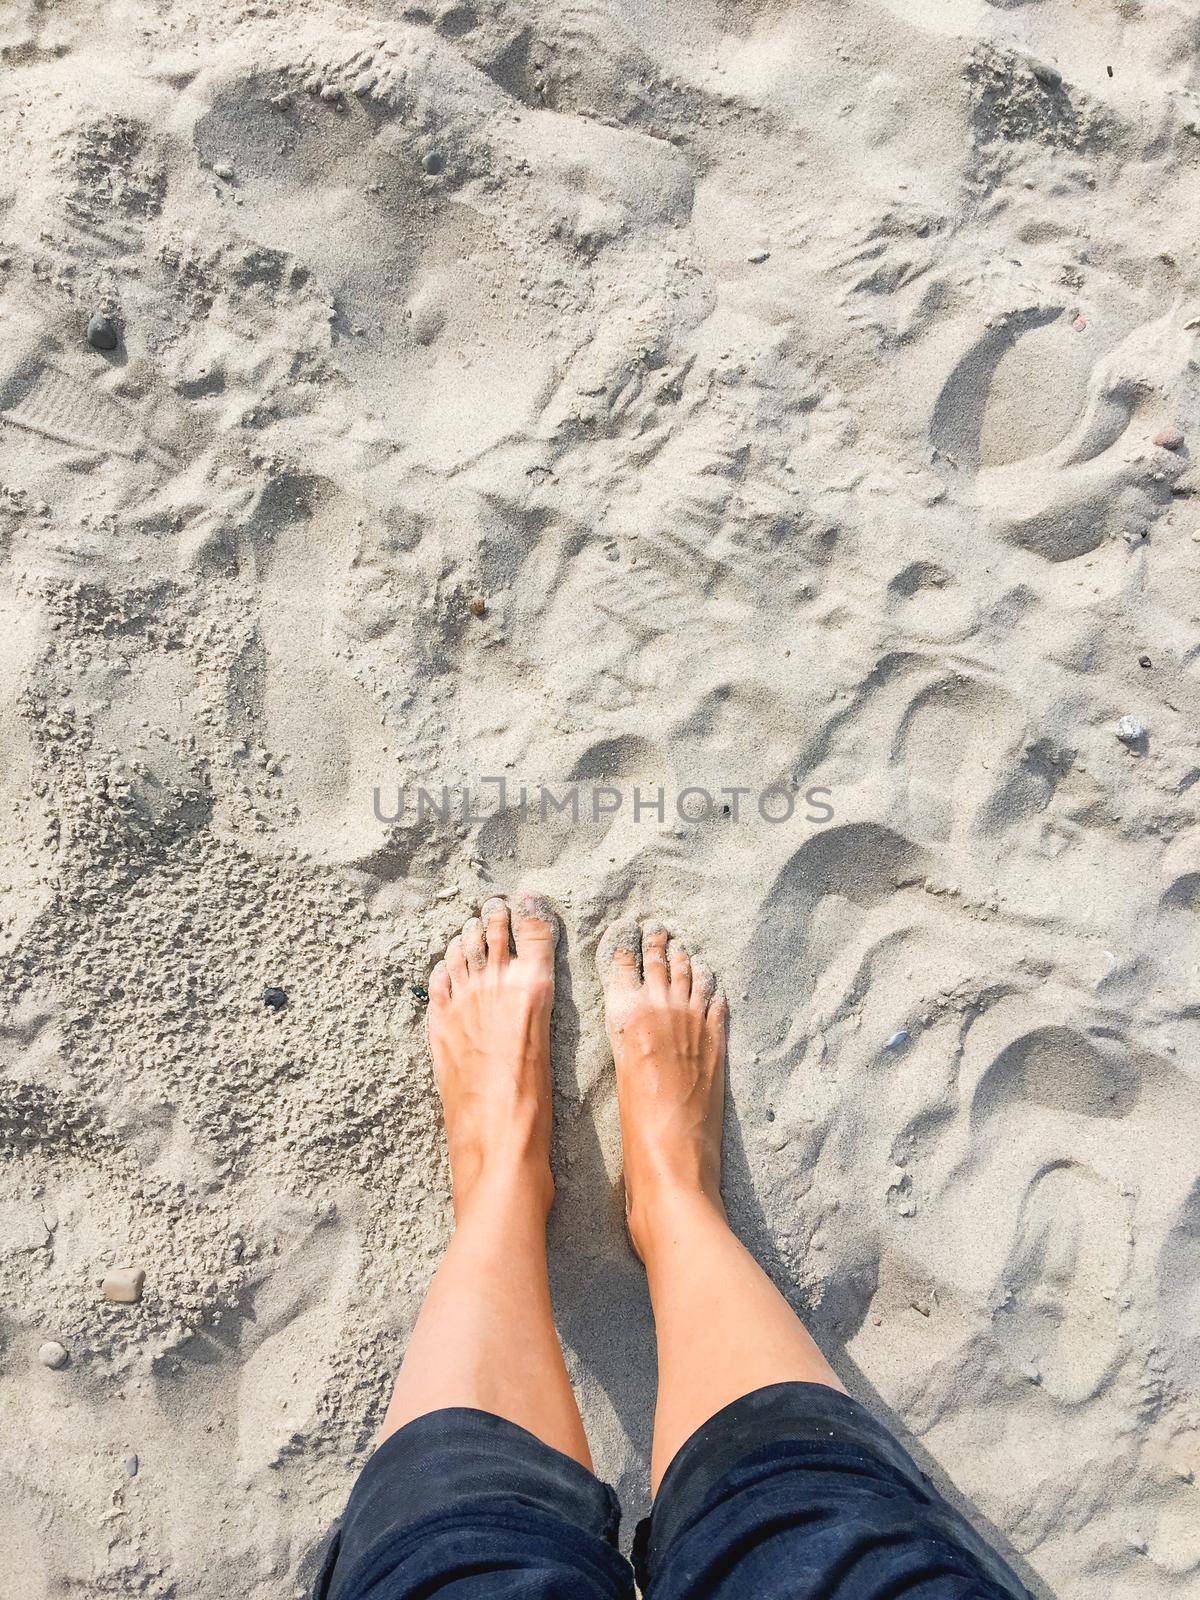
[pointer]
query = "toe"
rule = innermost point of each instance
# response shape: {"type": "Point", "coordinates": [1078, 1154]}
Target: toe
{"type": "Point", "coordinates": [619, 955]}
{"type": "Point", "coordinates": [717, 1019]}
{"type": "Point", "coordinates": [474, 947]}
{"type": "Point", "coordinates": [456, 960]}
{"type": "Point", "coordinates": [439, 986]}
{"type": "Point", "coordinates": [679, 966]}
{"type": "Point", "coordinates": [495, 917]}
{"type": "Point", "coordinates": [654, 956]}
{"type": "Point", "coordinates": [535, 930]}
{"type": "Point", "coordinates": [703, 986]}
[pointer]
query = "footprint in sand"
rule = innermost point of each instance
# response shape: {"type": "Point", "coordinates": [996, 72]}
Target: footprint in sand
{"type": "Point", "coordinates": [1062, 1069]}
{"type": "Point", "coordinates": [836, 888]}
{"type": "Point", "coordinates": [929, 604]}
{"type": "Point", "coordinates": [572, 815]}
{"type": "Point", "coordinates": [958, 745]}
{"type": "Point", "coordinates": [297, 1318]}
{"type": "Point", "coordinates": [428, 299]}
{"type": "Point", "coordinates": [291, 693]}
{"type": "Point", "coordinates": [1059, 1320]}
{"type": "Point", "coordinates": [65, 411]}
{"type": "Point", "coordinates": [1183, 894]}
{"type": "Point", "coordinates": [1179, 1292]}
{"type": "Point", "coordinates": [1105, 476]}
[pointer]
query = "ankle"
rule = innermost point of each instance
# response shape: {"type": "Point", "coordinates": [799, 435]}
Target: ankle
{"type": "Point", "coordinates": [660, 1211]}
{"type": "Point", "coordinates": [504, 1181]}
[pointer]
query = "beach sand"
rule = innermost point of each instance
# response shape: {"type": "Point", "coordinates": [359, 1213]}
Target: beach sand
{"type": "Point", "coordinates": [764, 397]}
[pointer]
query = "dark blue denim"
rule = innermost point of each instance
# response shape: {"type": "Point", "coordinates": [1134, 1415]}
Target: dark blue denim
{"type": "Point", "coordinates": [792, 1493]}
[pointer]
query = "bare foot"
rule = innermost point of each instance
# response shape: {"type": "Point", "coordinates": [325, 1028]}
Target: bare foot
{"type": "Point", "coordinates": [666, 1023]}
{"type": "Point", "coordinates": [488, 1026]}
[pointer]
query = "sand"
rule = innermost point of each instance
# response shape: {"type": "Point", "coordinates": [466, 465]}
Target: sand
{"type": "Point", "coordinates": [673, 396]}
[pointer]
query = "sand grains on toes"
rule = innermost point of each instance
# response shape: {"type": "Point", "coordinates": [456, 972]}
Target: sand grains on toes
{"type": "Point", "coordinates": [527, 934]}
{"type": "Point", "coordinates": [642, 962]}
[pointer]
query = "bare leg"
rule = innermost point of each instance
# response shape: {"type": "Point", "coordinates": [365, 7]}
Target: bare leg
{"type": "Point", "coordinates": [723, 1328]}
{"type": "Point", "coordinates": [485, 1337]}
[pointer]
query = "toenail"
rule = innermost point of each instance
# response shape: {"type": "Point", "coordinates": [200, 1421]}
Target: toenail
{"type": "Point", "coordinates": [619, 938]}
{"type": "Point", "coordinates": [533, 907]}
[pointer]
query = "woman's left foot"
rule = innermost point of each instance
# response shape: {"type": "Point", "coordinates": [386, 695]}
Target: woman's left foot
{"type": "Point", "coordinates": [666, 1023]}
{"type": "Point", "coordinates": [488, 1026]}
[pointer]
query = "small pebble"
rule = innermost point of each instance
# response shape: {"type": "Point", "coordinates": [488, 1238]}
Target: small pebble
{"type": "Point", "coordinates": [1169, 439]}
{"type": "Point", "coordinates": [123, 1285]}
{"type": "Point", "coordinates": [478, 606]}
{"type": "Point", "coordinates": [759, 257]}
{"type": "Point", "coordinates": [1145, 661]}
{"type": "Point", "coordinates": [274, 999]}
{"type": "Point", "coordinates": [131, 1466]}
{"type": "Point", "coordinates": [1130, 730]}
{"type": "Point", "coordinates": [102, 333]}
{"type": "Point", "coordinates": [907, 1209]}
{"type": "Point", "coordinates": [434, 162]}
{"type": "Point", "coordinates": [1079, 324]}
{"type": "Point", "coordinates": [421, 994]}
{"type": "Point", "coordinates": [1049, 77]}
{"type": "Point", "coordinates": [898, 1040]}
{"type": "Point", "coordinates": [52, 1355]}
{"type": "Point", "coordinates": [222, 169]}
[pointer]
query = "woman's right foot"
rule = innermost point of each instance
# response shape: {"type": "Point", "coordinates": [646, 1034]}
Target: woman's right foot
{"type": "Point", "coordinates": [666, 1023]}
{"type": "Point", "coordinates": [488, 1025]}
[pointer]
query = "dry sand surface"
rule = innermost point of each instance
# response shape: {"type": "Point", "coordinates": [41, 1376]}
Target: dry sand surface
{"type": "Point", "coordinates": [808, 392]}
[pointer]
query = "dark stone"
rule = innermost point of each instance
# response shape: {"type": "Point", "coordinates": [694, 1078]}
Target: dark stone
{"type": "Point", "coordinates": [421, 994]}
{"type": "Point", "coordinates": [274, 999]}
{"type": "Point", "coordinates": [102, 333]}
{"type": "Point", "coordinates": [434, 163]}
{"type": "Point", "coordinates": [1145, 661]}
